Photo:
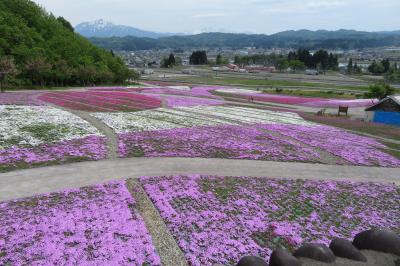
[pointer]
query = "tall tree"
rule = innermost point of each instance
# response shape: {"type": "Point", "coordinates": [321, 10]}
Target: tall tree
{"type": "Point", "coordinates": [37, 69]}
{"type": "Point", "coordinates": [350, 66]}
{"type": "Point", "coordinates": [171, 60]}
{"type": "Point", "coordinates": [218, 61]}
{"type": "Point", "coordinates": [7, 70]}
{"type": "Point", "coordinates": [283, 64]}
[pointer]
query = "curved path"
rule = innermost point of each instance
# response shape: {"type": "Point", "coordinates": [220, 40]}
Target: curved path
{"type": "Point", "coordinates": [29, 182]}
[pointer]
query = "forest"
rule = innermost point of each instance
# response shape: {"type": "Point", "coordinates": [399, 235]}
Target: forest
{"type": "Point", "coordinates": [37, 48]}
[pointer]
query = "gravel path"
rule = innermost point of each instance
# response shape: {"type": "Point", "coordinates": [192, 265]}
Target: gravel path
{"type": "Point", "coordinates": [29, 182]}
{"type": "Point", "coordinates": [112, 138]}
{"type": "Point", "coordinates": [168, 250]}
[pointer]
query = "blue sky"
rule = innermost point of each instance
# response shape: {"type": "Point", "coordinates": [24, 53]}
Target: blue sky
{"type": "Point", "coordinates": [252, 16]}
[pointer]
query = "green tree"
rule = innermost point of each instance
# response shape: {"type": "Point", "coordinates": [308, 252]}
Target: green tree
{"type": "Point", "coordinates": [218, 61]}
{"type": "Point", "coordinates": [198, 58]}
{"type": "Point", "coordinates": [65, 23]}
{"type": "Point", "coordinates": [297, 65]}
{"type": "Point", "coordinates": [282, 64]}
{"type": "Point", "coordinates": [7, 70]}
{"type": "Point", "coordinates": [135, 76]}
{"type": "Point", "coordinates": [393, 75]}
{"type": "Point", "coordinates": [37, 70]}
{"type": "Point", "coordinates": [380, 91]}
{"type": "Point", "coordinates": [171, 60]}
{"type": "Point", "coordinates": [48, 52]}
{"type": "Point", "coordinates": [350, 66]}
{"type": "Point", "coordinates": [376, 68]}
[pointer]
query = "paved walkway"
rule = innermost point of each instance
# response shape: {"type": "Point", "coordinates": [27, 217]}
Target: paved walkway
{"type": "Point", "coordinates": [29, 182]}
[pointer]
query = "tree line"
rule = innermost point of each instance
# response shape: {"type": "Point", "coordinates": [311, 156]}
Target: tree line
{"type": "Point", "coordinates": [36, 48]}
{"type": "Point", "coordinates": [298, 60]}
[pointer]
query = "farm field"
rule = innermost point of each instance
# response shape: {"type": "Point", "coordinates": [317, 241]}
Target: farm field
{"type": "Point", "coordinates": [327, 182]}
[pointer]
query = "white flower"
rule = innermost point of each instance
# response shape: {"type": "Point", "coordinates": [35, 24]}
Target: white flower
{"type": "Point", "coordinates": [35, 125]}
{"type": "Point", "coordinates": [162, 118]}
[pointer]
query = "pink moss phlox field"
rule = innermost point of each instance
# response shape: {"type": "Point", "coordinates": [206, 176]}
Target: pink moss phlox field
{"type": "Point", "coordinates": [305, 101]}
{"type": "Point", "coordinates": [335, 103]}
{"type": "Point", "coordinates": [204, 92]}
{"type": "Point", "coordinates": [282, 99]}
{"type": "Point", "coordinates": [225, 141]}
{"type": "Point", "coordinates": [89, 148]}
{"type": "Point", "coordinates": [177, 101]}
{"type": "Point", "coordinates": [96, 225]}
{"type": "Point", "coordinates": [356, 149]}
{"type": "Point", "coordinates": [21, 98]}
{"type": "Point", "coordinates": [104, 101]}
{"type": "Point", "coordinates": [221, 219]}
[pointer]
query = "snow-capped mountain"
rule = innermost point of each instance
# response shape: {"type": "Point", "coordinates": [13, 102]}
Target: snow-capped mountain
{"type": "Point", "coordinates": [102, 28]}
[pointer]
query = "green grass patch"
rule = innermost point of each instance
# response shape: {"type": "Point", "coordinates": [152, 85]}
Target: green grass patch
{"type": "Point", "coordinates": [394, 149]}
{"type": "Point", "coordinates": [268, 83]}
{"type": "Point", "coordinates": [46, 132]}
{"type": "Point", "coordinates": [315, 93]}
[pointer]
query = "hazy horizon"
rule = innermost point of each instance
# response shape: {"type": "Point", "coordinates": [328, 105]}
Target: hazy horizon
{"type": "Point", "coordinates": [247, 16]}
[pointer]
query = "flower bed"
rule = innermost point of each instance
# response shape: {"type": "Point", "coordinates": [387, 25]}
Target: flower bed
{"type": "Point", "coordinates": [175, 101]}
{"type": "Point", "coordinates": [333, 103]}
{"type": "Point", "coordinates": [203, 92]}
{"type": "Point", "coordinates": [304, 101]}
{"type": "Point", "coordinates": [105, 101]}
{"type": "Point", "coordinates": [96, 225]}
{"type": "Point", "coordinates": [162, 118]}
{"type": "Point", "coordinates": [89, 148]}
{"type": "Point", "coordinates": [354, 148]}
{"type": "Point", "coordinates": [21, 98]}
{"type": "Point", "coordinates": [248, 115]}
{"type": "Point", "coordinates": [225, 141]}
{"type": "Point", "coordinates": [221, 219]}
{"type": "Point", "coordinates": [29, 126]}
{"type": "Point", "coordinates": [42, 135]}
{"type": "Point", "coordinates": [258, 96]}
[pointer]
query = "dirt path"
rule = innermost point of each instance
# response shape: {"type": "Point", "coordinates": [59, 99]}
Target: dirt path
{"type": "Point", "coordinates": [166, 246]}
{"type": "Point", "coordinates": [112, 138]}
{"type": "Point", "coordinates": [24, 183]}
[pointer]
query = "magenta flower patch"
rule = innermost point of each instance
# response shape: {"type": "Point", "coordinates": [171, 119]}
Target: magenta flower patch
{"type": "Point", "coordinates": [356, 149]}
{"type": "Point", "coordinates": [21, 98]}
{"type": "Point", "coordinates": [96, 225]}
{"type": "Point", "coordinates": [221, 219]}
{"type": "Point", "coordinates": [103, 101]}
{"type": "Point", "coordinates": [89, 148]}
{"type": "Point", "coordinates": [298, 100]}
{"type": "Point", "coordinates": [225, 141]}
{"type": "Point", "coordinates": [292, 143]}
{"type": "Point", "coordinates": [176, 101]}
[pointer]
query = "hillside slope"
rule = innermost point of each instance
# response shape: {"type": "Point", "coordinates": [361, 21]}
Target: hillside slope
{"type": "Point", "coordinates": [46, 50]}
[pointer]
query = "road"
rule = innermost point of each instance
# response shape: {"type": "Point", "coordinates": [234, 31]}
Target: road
{"type": "Point", "coordinates": [25, 183]}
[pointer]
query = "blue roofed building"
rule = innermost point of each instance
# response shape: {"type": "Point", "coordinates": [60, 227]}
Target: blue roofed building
{"type": "Point", "coordinates": [387, 111]}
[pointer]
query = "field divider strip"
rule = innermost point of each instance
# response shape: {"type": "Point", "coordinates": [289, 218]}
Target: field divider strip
{"type": "Point", "coordinates": [165, 244]}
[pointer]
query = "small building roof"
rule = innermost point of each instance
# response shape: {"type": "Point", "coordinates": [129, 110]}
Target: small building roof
{"type": "Point", "coordinates": [394, 100]}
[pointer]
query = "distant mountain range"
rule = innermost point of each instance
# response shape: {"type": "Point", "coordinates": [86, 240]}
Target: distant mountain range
{"type": "Point", "coordinates": [341, 39]}
{"type": "Point", "coordinates": [118, 37]}
{"type": "Point", "coordinates": [105, 29]}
